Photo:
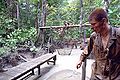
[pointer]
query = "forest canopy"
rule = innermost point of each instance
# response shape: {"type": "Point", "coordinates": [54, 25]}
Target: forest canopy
{"type": "Point", "coordinates": [20, 19]}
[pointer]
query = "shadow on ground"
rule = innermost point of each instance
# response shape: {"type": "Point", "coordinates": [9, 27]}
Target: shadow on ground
{"type": "Point", "coordinates": [46, 69]}
{"type": "Point", "coordinates": [66, 74]}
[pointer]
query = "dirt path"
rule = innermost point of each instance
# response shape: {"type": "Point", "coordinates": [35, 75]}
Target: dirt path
{"type": "Point", "coordinates": [65, 68]}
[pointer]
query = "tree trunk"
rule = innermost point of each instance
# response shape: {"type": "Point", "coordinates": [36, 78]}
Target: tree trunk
{"type": "Point", "coordinates": [42, 23]}
{"type": "Point", "coordinates": [37, 25]}
{"type": "Point", "coordinates": [106, 5]}
{"type": "Point", "coordinates": [18, 18]}
{"type": "Point", "coordinates": [43, 20]}
{"type": "Point", "coordinates": [28, 12]}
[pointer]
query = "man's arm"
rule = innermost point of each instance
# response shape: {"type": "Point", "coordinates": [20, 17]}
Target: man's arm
{"type": "Point", "coordinates": [83, 56]}
{"type": "Point", "coordinates": [87, 50]}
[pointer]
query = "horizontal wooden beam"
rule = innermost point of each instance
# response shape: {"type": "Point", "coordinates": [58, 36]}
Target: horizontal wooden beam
{"type": "Point", "coordinates": [69, 26]}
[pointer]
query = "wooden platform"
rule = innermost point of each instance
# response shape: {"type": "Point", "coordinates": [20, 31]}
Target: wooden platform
{"type": "Point", "coordinates": [27, 68]}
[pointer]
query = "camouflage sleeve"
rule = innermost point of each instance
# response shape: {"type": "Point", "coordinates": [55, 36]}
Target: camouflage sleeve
{"type": "Point", "coordinates": [118, 34]}
{"type": "Point", "coordinates": [91, 42]}
{"type": "Point", "coordinates": [88, 49]}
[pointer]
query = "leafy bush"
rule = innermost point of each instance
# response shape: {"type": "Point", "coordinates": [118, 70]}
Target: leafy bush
{"type": "Point", "coordinates": [18, 36]}
{"type": "Point", "coordinates": [22, 35]}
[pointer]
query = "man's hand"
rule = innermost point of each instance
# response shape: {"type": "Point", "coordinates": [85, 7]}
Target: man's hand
{"type": "Point", "coordinates": [79, 64]}
{"type": "Point", "coordinates": [82, 58]}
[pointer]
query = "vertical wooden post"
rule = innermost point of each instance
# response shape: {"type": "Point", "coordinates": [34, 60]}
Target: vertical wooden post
{"type": "Point", "coordinates": [84, 63]}
{"type": "Point", "coordinates": [84, 70]}
{"type": "Point", "coordinates": [38, 70]}
{"type": "Point", "coordinates": [81, 19]}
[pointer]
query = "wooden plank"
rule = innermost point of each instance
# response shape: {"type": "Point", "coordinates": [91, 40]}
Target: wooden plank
{"type": "Point", "coordinates": [14, 72]}
{"type": "Point", "coordinates": [44, 58]}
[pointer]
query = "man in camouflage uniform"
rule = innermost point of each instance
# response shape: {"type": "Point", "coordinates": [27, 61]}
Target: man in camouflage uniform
{"type": "Point", "coordinates": [104, 44]}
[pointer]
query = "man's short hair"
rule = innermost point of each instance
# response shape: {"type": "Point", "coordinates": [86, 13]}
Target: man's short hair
{"type": "Point", "coordinates": [98, 14]}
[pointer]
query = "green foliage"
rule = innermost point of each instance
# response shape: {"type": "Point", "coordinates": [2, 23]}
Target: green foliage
{"type": "Point", "coordinates": [22, 35]}
{"type": "Point", "coordinates": [114, 12]}
{"type": "Point", "coordinates": [10, 34]}
{"type": "Point", "coordinates": [4, 50]}
{"type": "Point", "coordinates": [72, 33]}
{"type": "Point", "coordinates": [7, 25]}
{"type": "Point", "coordinates": [18, 36]}
{"type": "Point", "coordinates": [88, 32]}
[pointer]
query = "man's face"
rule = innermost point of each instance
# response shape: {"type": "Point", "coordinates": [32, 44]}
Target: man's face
{"type": "Point", "coordinates": [96, 26]}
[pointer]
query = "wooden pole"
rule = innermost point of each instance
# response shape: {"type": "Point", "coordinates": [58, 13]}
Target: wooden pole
{"type": "Point", "coordinates": [84, 36]}
{"type": "Point", "coordinates": [69, 26]}
{"type": "Point", "coordinates": [84, 64]}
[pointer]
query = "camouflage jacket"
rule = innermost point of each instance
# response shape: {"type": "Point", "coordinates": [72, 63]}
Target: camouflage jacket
{"type": "Point", "coordinates": [107, 61]}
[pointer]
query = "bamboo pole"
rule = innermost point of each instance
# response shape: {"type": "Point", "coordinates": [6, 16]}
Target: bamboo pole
{"type": "Point", "coordinates": [69, 26]}
{"type": "Point", "coordinates": [85, 62]}
{"type": "Point", "coordinates": [81, 27]}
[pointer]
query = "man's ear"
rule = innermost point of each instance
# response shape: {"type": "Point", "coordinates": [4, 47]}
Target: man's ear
{"type": "Point", "coordinates": [104, 20]}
